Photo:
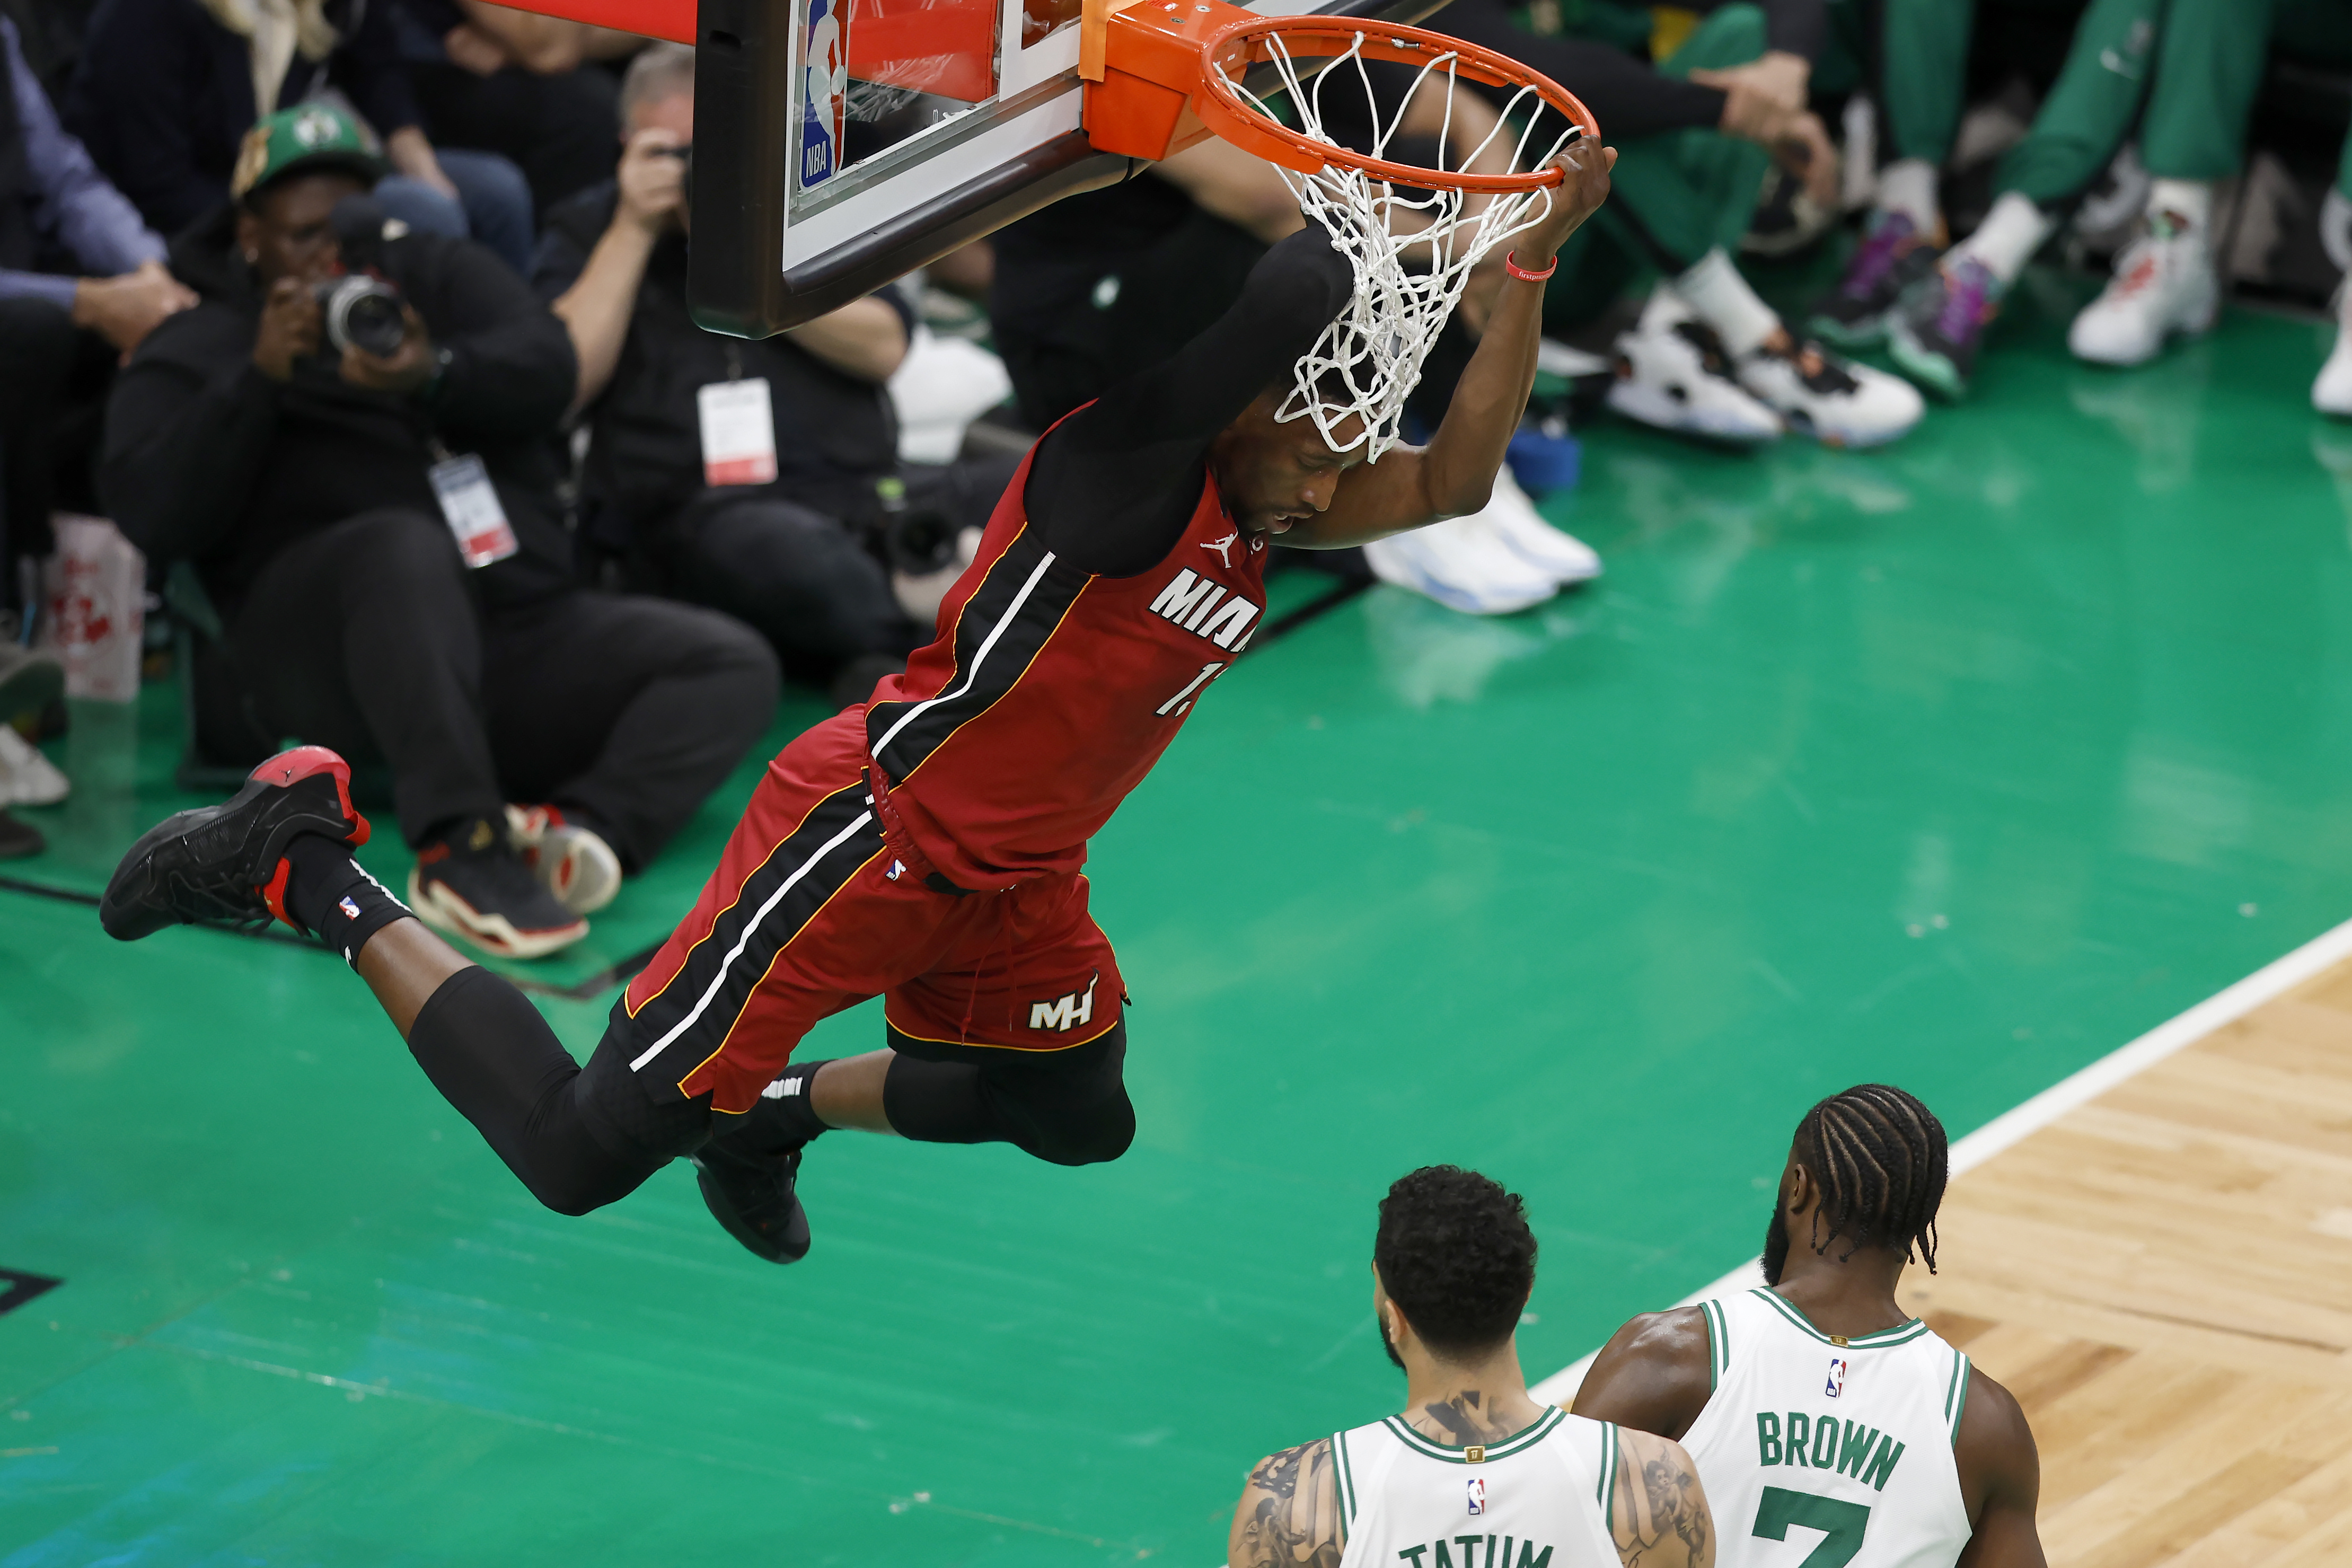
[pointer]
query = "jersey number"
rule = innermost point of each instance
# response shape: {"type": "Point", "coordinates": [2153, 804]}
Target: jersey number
{"type": "Point", "coordinates": [1839, 1523]}
{"type": "Point", "coordinates": [1183, 699]}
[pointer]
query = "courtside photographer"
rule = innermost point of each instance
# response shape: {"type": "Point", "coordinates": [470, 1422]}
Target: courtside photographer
{"type": "Point", "coordinates": [350, 439]}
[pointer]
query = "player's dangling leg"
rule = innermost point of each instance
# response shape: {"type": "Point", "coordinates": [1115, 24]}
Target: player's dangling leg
{"type": "Point", "coordinates": [280, 849]}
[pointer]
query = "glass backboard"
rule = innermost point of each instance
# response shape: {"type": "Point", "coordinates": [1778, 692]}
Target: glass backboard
{"type": "Point", "coordinates": [839, 143]}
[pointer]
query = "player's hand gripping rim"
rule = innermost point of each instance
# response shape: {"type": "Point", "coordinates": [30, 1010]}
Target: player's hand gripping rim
{"type": "Point", "coordinates": [1583, 166]}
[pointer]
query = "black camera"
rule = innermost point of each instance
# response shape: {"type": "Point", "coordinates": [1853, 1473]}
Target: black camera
{"type": "Point", "coordinates": [360, 309]}
{"type": "Point", "coordinates": [914, 539]}
{"type": "Point", "coordinates": [362, 312]}
{"type": "Point", "coordinates": [685, 155]}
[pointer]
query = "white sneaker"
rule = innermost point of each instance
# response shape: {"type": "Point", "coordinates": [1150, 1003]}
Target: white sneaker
{"type": "Point", "coordinates": [570, 861]}
{"type": "Point", "coordinates": [1673, 374]}
{"type": "Point", "coordinates": [2332, 393]}
{"type": "Point", "coordinates": [1833, 400]}
{"type": "Point", "coordinates": [1511, 516]}
{"type": "Point", "coordinates": [1463, 565]}
{"type": "Point", "coordinates": [2164, 286]}
{"type": "Point", "coordinates": [26, 777]}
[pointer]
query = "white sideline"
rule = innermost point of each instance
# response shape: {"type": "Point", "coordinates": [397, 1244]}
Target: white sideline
{"type": "Point", "coordinates": [2227, 1006]}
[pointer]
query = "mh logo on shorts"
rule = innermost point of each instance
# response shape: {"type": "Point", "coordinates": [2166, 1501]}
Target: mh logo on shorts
{"type": "Point", "coordinates": [1064, 1013]}
{"type": "Point", "coordinates": [1477, 1495]}
{"type": "Point", "coordinates": [1835, 1387]}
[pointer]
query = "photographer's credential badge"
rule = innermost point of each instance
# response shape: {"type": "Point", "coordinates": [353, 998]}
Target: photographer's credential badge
{"type": "Point", "coordinates": [471, 505]}
{"type": "Point", "coordinates": [739, 433]}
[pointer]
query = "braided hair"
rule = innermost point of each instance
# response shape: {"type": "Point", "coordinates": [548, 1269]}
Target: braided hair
{"type": "Point", "coordinates": [1882, 1159]}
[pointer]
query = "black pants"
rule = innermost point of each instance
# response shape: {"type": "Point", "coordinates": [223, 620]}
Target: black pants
{"type": "Point", "coordinates": [365, 637]}
{"type": "Point", "coordinates": [805, 578]}
{"type": "Point", "coordinates": [561, 131]}
{"type": "Point", "coordinates": [582, 1138]}
{"type": "Point", "coordinates": [53, 379]}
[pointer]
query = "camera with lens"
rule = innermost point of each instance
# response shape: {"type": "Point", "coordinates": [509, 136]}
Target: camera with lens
{"type": "Point", "coordinates": [360, 309]}
{"type": "Point", "coordinates": [911, 538]}
{"type": "Point", "coordinates": [362, 312]}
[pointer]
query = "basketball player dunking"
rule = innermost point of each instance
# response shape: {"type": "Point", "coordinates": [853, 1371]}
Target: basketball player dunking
{"type": "Point", "coordinates": [1828, 1424]}
{"type": "Point", "coordinates": [1474, 1473]}
{"type": "Point", "coordinates": [926, 847]}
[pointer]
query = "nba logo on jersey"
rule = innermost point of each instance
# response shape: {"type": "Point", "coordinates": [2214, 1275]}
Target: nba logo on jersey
{"type": "Point", "coordinates": [824, 90]}
{"type": "Point", "coordinates": [1477, 1495]}
{"type": "Point", "coordinates": [1836, 1384]}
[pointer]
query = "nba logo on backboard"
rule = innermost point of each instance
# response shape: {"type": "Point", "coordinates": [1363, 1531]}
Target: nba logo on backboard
{"type": "Point", "coordinates": [1836, 1386]}
{"type": "Point", "coordinates": [1477, 1495]}
{"type": "Point", "coordinates": [824, 90]}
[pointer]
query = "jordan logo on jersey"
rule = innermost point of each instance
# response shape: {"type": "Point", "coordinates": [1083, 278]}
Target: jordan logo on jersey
{"type": "Point", "coordinates": [1836, 1384]}
{"type": "Point", "coordinates": [1199, 606]}
{"type": "Point", "coordinates": [1223, 547]}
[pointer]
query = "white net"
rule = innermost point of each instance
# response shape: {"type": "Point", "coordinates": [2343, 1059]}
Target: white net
{"type": "Point", "coordinates": [1413, 248]}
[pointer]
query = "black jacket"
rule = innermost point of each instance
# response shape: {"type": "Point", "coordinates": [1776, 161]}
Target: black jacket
{"type": "Point", "coordinates": [835, 434]}
{"type": "Point", "coordinates": [164, 94]}
{"type": "Point", "coordinates": [208, 460]}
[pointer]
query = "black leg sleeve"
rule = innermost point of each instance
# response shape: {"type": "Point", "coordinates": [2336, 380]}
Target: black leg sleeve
{"type": "Point", "coordinates": [1069, 1107]}
{"type": "Point", "coordinates": [491, 1055]}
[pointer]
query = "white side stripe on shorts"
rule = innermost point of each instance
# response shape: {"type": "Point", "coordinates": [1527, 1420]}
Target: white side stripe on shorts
{"type": "Point", "coordinates": [977, 659]}
{"type": "Point", "coordinates": [719, 979]}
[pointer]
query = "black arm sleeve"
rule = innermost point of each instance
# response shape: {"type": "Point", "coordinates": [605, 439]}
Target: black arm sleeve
{"type": "Point", "coordinates": [1626, 95]}
{"type": "Point", "coordinates": [1114, 485]}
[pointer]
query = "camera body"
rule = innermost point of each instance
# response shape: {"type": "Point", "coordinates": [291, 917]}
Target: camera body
{"type": "Point", "coordinates": [911, 538]}
{"type": "Point", "coordinates": [360, 309]}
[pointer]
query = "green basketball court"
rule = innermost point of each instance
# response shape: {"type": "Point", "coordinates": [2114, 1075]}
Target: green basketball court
{"type": "Point", "coordinates": [1957, 764]}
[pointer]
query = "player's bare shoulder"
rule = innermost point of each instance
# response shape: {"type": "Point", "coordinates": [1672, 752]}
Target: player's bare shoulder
{"type": "Point", "coordinates": [1653, 1374]}
{"type": "Point", "coordinates": [2001, 1478]}
{"type": "Point", "coordinates": [1289, 1514]}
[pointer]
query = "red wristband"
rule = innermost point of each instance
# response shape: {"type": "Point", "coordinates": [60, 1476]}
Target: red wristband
{"type": "Point", "coordinates": [1511, 265]}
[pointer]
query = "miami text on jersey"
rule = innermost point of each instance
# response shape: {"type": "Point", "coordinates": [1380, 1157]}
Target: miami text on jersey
{"type": "Point", "coordinates": [1202, 607]}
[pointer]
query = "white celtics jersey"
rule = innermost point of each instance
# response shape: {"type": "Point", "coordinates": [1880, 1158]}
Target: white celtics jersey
{"type": "Point", "coordinates": [1818, 1451]}
{"type": "Point", "coordinates": [1537, 1499]}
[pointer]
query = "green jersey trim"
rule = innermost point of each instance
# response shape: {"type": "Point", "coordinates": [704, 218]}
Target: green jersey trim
{"type": "Point", "coordinates": [1606, 1492]}
{"type": "Point", "coordinates": [1956, 1397]}
{"type": "Point", "coordinates": [1347, 1476]}
{"type": "Point", "coordinates": [1718, 1344]}
{"type": "Point", "coordinates": [1517, 1442]}
{"type": "Point", "coordinates": [1884, 1338]}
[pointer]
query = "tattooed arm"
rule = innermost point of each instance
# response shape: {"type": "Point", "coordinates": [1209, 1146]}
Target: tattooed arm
{"type": "Point", "coordinates": [1657, 1514]}
{"type": "Point", "coordinates": [1289, 1512]}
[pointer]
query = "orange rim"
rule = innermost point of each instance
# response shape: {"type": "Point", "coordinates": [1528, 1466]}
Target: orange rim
{"type": "Point", "coordinates": [1234, 47]}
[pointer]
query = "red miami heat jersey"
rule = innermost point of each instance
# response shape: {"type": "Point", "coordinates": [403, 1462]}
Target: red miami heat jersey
{"type": "Point", "coordinates": [1050, 692]}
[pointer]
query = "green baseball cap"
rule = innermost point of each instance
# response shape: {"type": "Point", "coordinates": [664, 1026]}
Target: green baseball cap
{"type": "Point", "coordinates": [305, 138]}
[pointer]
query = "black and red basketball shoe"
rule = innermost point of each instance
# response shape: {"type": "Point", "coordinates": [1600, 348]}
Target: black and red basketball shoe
{"type": "Point", "coordinates": [753, 1195]}
{"type": "Point", "coordinates": [226, 865]}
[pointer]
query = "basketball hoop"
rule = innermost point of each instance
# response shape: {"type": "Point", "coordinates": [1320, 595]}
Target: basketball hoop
{"type": "Point", "coordinates": [1411, 233]}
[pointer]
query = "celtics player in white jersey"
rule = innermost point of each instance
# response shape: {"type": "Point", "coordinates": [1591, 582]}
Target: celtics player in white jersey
{"type": "Point", "coordinates": [1829, 1427]}
{"type": "Point", "coordinates": [1474, 1473]}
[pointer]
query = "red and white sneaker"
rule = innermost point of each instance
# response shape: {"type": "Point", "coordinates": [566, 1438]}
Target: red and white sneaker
{"type": "Point", "coordinates": [570, 861]}
{"type": "Point", "coordinates": [473, 885]}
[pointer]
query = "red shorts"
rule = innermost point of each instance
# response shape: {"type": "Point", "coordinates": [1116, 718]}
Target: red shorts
{"type": "Point", "coordinates": [811, 911]}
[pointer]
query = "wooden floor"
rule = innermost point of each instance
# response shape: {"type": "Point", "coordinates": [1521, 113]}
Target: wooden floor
{"type": "Point", "coordinates": [2163, 1279]}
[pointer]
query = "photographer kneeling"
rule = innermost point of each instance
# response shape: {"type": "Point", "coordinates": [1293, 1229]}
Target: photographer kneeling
{"type": "Point", "coordinates": [747, 476]}
{"type": "Point", "coordinates": [375, 519]}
